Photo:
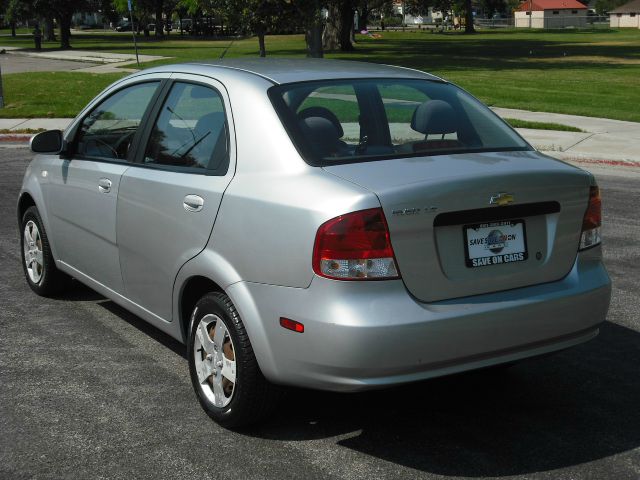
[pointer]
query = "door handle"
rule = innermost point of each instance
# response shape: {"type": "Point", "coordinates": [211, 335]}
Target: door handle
{"type": "Point", "coordinates": [193, 203]}
{"type": "Point", "coordinates": [104, 185]}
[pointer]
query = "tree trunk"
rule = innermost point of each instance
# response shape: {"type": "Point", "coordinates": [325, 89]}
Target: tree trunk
{"type": "Point", "coordinates": [65, 30]}
{"type": "Point", "coordinates": [364, 18]}
{"type": "Point", "coordinates": [331, 34]}
{"type": "Point", "coordinates": [313, 38]}
{"type": "Point", "coordinates": [13, 28]}
{"type": "Point", "coordinates": [159, 5]}
{"type": "Point", "coordinates": [260, 32]}
{"type": "Point", "coordinates": [49, 30]}
{"type": "Point", "coordinates": [468, 23]}
{"type": "Point", "coordinates": [346, 26]}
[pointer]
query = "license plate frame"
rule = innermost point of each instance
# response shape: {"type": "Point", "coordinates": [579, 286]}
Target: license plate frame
{"type": "Point", "coordinates": [483, 247]}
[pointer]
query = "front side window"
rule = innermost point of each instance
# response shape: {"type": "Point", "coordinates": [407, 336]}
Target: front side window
{"type": "Point", "coordinates": [358, 120]}
{"type": "Point", "coordinates": [107, 132]}
{"type": "Point", "coordinates": [191, 130]}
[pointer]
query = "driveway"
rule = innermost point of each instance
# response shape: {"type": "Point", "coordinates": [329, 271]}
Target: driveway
{"type": "Point", "coordinates": [88, 390]}
{"type": "Point", "coordinates": [15, 63]}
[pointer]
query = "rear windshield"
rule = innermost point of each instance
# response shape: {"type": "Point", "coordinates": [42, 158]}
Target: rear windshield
{"type": "Point", "coordinates": [346, 121]}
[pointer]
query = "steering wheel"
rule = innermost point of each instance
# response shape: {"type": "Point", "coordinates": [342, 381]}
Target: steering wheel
{"type": "Point", "coordinates": [123, 141]}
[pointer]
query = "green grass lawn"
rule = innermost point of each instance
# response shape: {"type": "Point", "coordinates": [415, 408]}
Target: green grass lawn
{"type": "Point", "coordinates": [582, 72]}
{"type": "Point", "coordinates": [51, 94]}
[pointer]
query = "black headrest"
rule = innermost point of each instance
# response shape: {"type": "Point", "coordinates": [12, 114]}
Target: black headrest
{"type": "Point", "coordinates": [322, 135]}
{"type": "Point", "coordinates": [323, 113]}
{"type": "Point", "coordinates": [434, 116]}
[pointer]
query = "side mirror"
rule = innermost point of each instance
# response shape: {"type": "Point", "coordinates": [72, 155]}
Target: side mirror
{"type": "Point", "coordinates": [47, 142]}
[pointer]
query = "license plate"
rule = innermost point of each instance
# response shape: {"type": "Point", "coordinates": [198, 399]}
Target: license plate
{"type": "Point", "coordinates": [495, 243]}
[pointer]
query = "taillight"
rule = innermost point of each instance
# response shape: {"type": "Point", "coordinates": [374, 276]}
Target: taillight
{"type": "Point", "coordinates": [592, 220]}
{"type": "Point", "coordinates": [355, 246]}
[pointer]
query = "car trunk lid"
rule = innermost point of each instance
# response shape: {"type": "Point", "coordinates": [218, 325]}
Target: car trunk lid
{"type": "Point", "coordinates": [469, 224]}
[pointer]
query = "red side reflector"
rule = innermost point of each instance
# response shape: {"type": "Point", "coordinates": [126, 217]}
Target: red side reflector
{"type": "Point", "coordinates": [291, 325]}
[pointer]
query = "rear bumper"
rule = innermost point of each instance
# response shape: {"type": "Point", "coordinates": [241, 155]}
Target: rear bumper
{"type": "Point", "coordinates": [362, 335]}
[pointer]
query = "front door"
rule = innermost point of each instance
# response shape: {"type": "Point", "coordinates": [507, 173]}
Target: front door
{"type": "Point", "coordinates": [168, 201]}
{"type": "Point", "coordinates": [83, 190]}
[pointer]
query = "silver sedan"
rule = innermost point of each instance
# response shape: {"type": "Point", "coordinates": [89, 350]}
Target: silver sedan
{"type": "Point", "coordinates": [325, 224]}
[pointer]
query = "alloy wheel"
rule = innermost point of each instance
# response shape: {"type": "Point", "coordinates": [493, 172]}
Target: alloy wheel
{"type": "Point", "coordinates": [214, 357]}
{"type": "Point", "coordinates": [33, 257]}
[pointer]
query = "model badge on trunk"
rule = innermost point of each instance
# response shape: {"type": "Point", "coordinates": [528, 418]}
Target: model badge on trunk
{"type": "Point", "coordinates": [501, 199]}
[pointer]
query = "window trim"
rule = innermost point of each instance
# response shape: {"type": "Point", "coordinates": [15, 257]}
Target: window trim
{"type": "Point", "coordinates": [131, 154]}
{"type": "Point", "coordinates": [138, 159]}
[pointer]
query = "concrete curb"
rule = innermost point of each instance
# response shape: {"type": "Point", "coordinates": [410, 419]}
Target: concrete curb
{"type": "Point", "coordinates": [16, 137]}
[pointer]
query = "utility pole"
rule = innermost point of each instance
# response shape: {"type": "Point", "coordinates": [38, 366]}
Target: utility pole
{"type": "Point", "coordinates": [1, 92]}
{"type": "Point", "coordinates": [530, 11]}
{"type": "Point", "coordinates": [133, 31]}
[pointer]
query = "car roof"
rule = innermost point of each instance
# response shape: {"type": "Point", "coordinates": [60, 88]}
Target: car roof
{"type": "Point", "coordinates": [291, 70]}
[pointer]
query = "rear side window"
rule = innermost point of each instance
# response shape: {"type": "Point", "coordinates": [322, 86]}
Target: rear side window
{"type": "Point", "coordinates": [359, 120]}
{"type": "Point", "coordinates": [190, 131]}
{"type": "Point", "coordinates": [107, 132]}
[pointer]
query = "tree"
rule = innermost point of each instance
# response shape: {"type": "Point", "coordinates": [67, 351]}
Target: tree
{"type": "Point", "coordinates": [142, 11]}
{"type": "Point", "coordinates": [468, 24]}
{"type": "Point", "coordinates": [339, 26]}
{"type": "Point", "coordinates": [15, 10]}
{"type": "Point", "coordinates": [366, 7]}
{"type": "Point", "coordinates": [605, 6]}
{"type": "Point", "coordinates": [61, 10]}
{"type": "Point", "coordinates": [313, 29]}
{"type": "Point", "coordinates": [418, 8]}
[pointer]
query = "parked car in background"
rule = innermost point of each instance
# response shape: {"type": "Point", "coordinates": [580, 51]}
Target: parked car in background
{"type": "Point", "coordinates": [318, 223]}
{"type": "Point", "coordinates": [186, 24]}
{"type": "Point", "coordinates": [124, 27]}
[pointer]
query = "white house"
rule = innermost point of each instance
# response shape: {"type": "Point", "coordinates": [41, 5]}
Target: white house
{"type": "Point", "coordinates": [432, 15]}
{"type": "Point", "coordinates": [551, 14]}
{"type": "Point", "coordinates": [627, 15]}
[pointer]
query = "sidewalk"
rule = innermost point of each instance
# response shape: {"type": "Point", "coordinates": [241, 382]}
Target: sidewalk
{"type": "Point", "coordinates": [107, 62]}
{"type": "Point", "coordinates": [603, 142]}
{"type": "Point", "coordinates": [603, 139]}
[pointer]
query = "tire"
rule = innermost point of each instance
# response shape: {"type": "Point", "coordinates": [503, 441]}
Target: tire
{"type": "Point", "coordinates": [223, 368]}
{"type": "Point", "coordinates": [38, 264]}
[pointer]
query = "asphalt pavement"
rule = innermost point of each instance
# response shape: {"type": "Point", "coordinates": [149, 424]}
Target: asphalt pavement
{"type": "Point", "coordinates": [88, 390]}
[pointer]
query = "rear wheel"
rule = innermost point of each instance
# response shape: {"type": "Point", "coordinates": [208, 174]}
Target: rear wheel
{"type": "Point", "coordinates": [223, 368]}
{"type": "Point", "coordinates": [40, 269]}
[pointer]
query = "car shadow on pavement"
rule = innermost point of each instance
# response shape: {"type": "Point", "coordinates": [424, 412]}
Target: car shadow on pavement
{"type": "Point", "coordinates": [543, 414]}
{"type": "Point", "coordinates": [146, 328]}
{"type": "Point", "coordinates": [79, 292]}
{"type": "Point", "coordinates": [562, 410]}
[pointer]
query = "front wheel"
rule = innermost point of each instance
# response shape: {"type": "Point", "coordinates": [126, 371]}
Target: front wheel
{"type": "Point", "coordinates": [223, 368]}
{"type": "Point", "coordinates": [40, 269]}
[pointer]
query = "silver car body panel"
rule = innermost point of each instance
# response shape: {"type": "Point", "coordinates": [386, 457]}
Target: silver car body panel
{"type": "Point", "coordinates": [157, 232]}
{"type": "Point", "coordinates": [431, 258]}
{"type": "Point", "coordinates": [254, 238]}
{"type": "Point", "coordinates": [83, 216]}
{"type": "Point", "coordinates": [362, 335]}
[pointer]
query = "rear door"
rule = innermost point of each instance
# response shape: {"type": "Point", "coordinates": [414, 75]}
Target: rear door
{"type": "Point", "coordinates": [82, 190]}
{"type": "Point", "coordinates": [168, 201]}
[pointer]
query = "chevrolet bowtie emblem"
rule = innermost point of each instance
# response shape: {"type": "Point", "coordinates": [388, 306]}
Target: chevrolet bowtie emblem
{"type": "Point", "coordinates": [501, 199]}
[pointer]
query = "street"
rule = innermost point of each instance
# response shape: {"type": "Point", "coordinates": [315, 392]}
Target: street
{"type": "Point", "coordinates": [88, 390]}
